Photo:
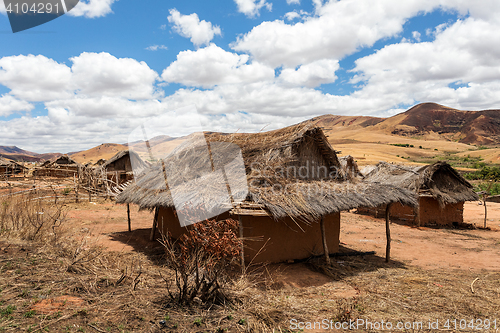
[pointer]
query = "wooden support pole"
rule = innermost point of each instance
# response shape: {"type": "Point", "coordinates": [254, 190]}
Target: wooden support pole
{"type": "Point", "coordinates": [387, 233]}
{"type": "Point", "coordinates": [485, 210]}
{"type": "Point", "coordinates": [128, 218]}
{"type": "Point", "coordinates": [242, 253]}
{"type": "Point", "coordinates": [325, 244]}
{"type": "Point", "coordinates": [155, 222]}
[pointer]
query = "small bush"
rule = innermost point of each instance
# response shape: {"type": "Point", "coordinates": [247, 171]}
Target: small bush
{"type": "Point", "coordinates": [201, 260]}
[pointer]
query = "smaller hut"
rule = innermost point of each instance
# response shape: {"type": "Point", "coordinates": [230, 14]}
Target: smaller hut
{"type": "Point", "coordinates": [63, 166]}
{"type": "Point", "coordinates": [441, 190]}
{"type": "Point", "coordinates": [120, 168]}
{"type": "Point", "coordinates": [9, 168]}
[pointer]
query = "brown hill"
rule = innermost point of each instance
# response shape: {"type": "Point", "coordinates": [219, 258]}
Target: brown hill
{"type": "Point", "coordinates": [17, 154]}
{"type": "Point", "coordinates": [92, 155]}
{"type": "Point", "coordinates": [470, 127]}
{"type": "Point", "coordinates": [430, 130]}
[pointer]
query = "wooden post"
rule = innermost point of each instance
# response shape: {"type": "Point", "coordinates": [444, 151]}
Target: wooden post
{"type": "Point", "coordinates": [155, 222]}
{"type": "Point", "coordinates": [325, 244]}
{"type": "Point", "coordinates": [128, 218]}
{"type": "Point", "coordinates": [242, 253]}
{"type": "Point", "coordinates": [76, 187]}
{"type": "Point", "coordinates": [387, 233]}
{"type": "Point", "coordinates": [485, 210]}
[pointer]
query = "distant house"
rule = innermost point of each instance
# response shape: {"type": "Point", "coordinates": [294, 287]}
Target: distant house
{"type": "Point", "coordinates": [295, 185]}
{"type": "Point", "coordinates": [441, 190]}
{"type": "Point", "coordinates": [9, 168]}
{"type": "Point", "coordinates": [120, 168]}
{"type": "Point", "coordinates": [63, 166]}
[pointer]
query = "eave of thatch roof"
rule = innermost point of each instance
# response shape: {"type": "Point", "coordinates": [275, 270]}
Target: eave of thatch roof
{"type": "Point", "coordinates": [263, 154]}
{"type": "Point", "coordinates": [440, 180]}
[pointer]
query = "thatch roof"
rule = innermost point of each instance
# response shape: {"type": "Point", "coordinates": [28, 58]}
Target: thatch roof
{"type": "Point", "coordinates": [263, 174]}
{"type": "Point", "coordinates": [61, 160]}
{"type": "Point", "coordinates": [10, 164]}
{"type": "Point", "coordinates": [135, 159]}
{"type": "Point", "coordinates": [438, 180]}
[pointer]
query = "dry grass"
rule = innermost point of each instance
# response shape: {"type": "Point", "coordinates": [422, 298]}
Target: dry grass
{"type": "Point", "coordinates": [126, 292]}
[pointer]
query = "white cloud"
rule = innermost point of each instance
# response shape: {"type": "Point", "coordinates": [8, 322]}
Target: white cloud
{"type": "Point", "coordinates": [2, 8]}
{"type": "Point", "coordinates": [311, 75]}
{"type": "Point", "coordinates": [156, 47]}
{"type": "Point", "coordinates": [416, 35]}
{"type": "Point", "coordinates": [101, 74]}
{"type": "Point", "coordinates": [293, 2]}
{"type": "Point", "coordinates": [190, 26]}
{"type": "Point", "coordinates": [467, 52]}
{"type": "Point", "coordinates": [92, 8]}
{"type": "Point", "coordinates": [251, 8]}
{"type": "Point", "coordinates": [210, 66]}
{"type": "Point", "coordinates": [9, 105]}
{"type": "Point", "coordinates": [290, 16]}
{"type": "Point", "coordinates": [340, 28]}
{"type": "Point", "coordinates": [35, 78]}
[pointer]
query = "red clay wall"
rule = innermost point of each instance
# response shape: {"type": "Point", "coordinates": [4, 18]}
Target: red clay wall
{"type": "Point", "coordinates": [280, 240]}
{"type": "Point", "coordinates": [430, 212]}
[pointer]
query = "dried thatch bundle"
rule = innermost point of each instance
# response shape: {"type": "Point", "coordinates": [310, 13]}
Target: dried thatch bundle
{"type": "Point", "coordinates": [438, 180]}
{"type": "Point", "coordinates": [288, 172]}
{"type": "Point", "coordinates": [350, 167]}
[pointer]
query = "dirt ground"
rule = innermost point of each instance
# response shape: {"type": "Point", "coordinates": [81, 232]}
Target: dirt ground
{"type": "Point", "coordinates": [423, 247]}
{"type": "Point", "coordinates": [430, 276]}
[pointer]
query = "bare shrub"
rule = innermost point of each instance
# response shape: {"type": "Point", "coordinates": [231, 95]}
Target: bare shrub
{"type": "Point", "coordinates": [201, 260]}
{"type": "Point", "coordinates": [32, 219]}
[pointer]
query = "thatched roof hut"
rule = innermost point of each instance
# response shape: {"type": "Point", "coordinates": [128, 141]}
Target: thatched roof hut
{"type": "Point", "coordinates": [63, 166]}
{"type": "Point", "coordinates": [8, 167]}
{"type": "Point", "coordinates": [63, 160]}
{"type": "Point", "coordinates": [441, 189]}
{"type": "Point", "coordinates": [120, 168]}
{"type": "Point", "coordinates": [273, 161]}
{"type": "Point", "coordinates": [291, 175]}
{"type": "Point", "coordinates": [439, 180]}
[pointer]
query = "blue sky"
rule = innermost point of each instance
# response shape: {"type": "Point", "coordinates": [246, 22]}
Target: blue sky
{"type": "Point", "coordinates": [95, 74]}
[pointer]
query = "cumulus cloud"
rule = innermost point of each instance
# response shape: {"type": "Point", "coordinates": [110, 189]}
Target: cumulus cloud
{"type": "Point", "coordinates": [9, 105]}
{"type": "Point", "coordinates": [293, 2]}
{"type": "Point", "coordinates": [340, 28]}
{"type": "Point", "coordinates": [290, 16]}
{"type": "Point", "coordinates": [101, 74]}
{"type": "Point", "coordinates": [190, 26]}
{"type": "Point", "coordinates": [467, 53]}
{"type": "Point", "coordinates": [311, 75]}
{"type": "Point", "coordinates": [92, 8]}
{"type": "Point", "coordinates": [251, 8]}
{"type": "Point", "coordinates": [35, 78]}
{"type": "Point", "coordinates": [211, 66]}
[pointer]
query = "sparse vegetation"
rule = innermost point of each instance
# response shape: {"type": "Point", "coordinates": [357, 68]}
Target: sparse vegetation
{"type": "Point", "coordinates": [486, 173]}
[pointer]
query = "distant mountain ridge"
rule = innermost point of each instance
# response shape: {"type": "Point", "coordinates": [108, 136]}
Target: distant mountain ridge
{"type": "Point", "coordinates": [425, 121]}
{"type": "Point", "coordinates": [469, 127]}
